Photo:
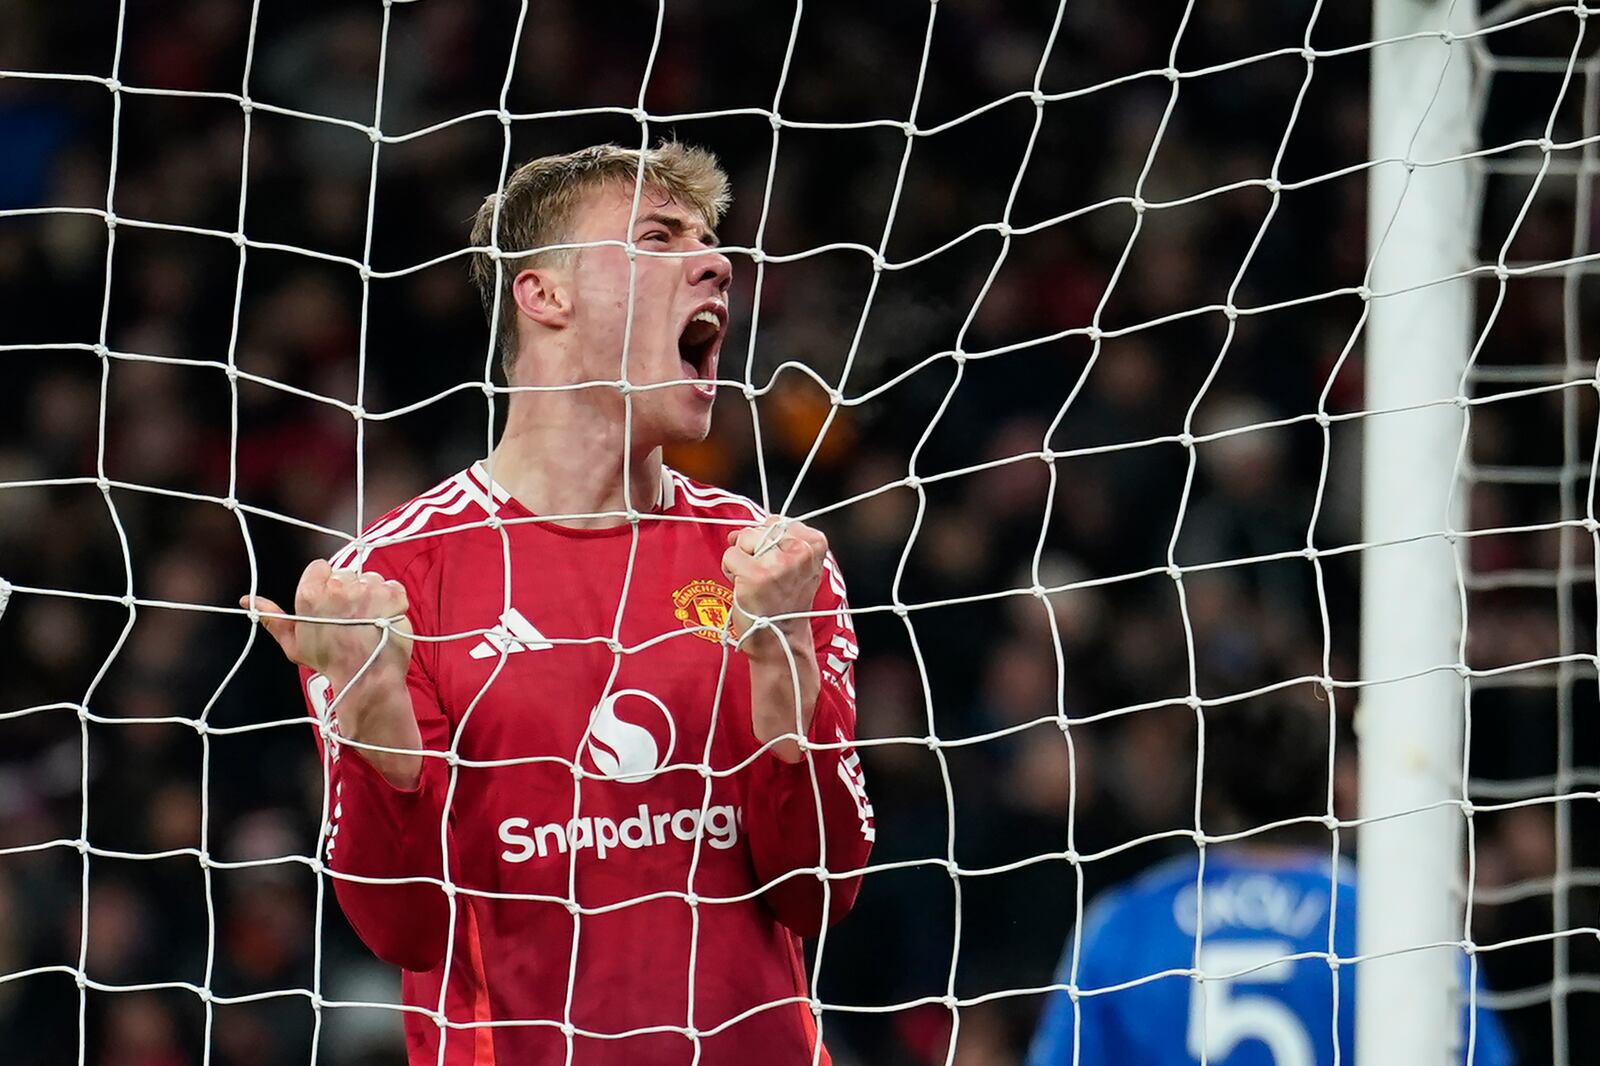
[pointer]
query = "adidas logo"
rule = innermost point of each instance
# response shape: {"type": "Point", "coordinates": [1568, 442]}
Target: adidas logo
{"type": "Point", "coordinates": [514, 633]}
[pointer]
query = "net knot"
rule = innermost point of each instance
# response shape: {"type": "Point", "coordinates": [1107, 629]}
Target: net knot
{"type": "Point", "coordinates": [504, 116]}
{"type": "Point", "coordinates": [114, 85]}
{"type": "Point", "coordinates": [246, 104]}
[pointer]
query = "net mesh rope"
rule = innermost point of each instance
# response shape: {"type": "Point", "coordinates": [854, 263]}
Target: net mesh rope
{"type": "Point", "coordinates": [1565, 377]}
{"type": "Point", "coordinates": [1517, 168]}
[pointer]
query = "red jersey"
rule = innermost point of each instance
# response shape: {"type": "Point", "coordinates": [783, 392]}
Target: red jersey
{"type": "Point", "coordinates": [623, 857]}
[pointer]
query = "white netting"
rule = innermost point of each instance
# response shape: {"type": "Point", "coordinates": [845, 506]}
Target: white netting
{"type": "Point", "coordinates": [1076, 399]}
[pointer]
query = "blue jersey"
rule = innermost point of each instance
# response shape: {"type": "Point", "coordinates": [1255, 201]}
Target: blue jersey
{"type": "Point", "coordinates": [1256, 911]}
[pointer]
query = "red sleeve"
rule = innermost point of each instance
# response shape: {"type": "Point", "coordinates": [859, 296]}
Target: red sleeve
{"type": "Point", "coordinates": [787, 801]}
{"type": "Point", "coordinates": [379, 831]}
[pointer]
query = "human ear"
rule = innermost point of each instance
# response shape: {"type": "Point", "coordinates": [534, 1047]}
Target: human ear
{"type": "Point", "coordinates": [542, 297]}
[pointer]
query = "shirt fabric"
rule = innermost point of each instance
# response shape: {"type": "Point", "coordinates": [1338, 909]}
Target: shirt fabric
{"type": "Point", "coordinates": [1256, 910]}
{"type": "Point", "coordinates": [620, 779]}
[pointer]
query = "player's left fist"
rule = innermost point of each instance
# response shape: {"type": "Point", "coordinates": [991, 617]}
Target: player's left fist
{"type": "Point", "coordinates": [775, 568]}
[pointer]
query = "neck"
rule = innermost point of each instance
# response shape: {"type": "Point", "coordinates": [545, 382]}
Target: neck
{"type": "Point", "coordinates": [561, 456]}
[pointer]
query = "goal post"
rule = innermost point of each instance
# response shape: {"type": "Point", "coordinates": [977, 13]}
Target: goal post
{"type": "Point", "coordinates": [1421, 226]}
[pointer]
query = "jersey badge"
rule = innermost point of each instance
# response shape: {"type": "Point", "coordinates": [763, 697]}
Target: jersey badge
{"type": "Point", "coordinates": [703, 606]}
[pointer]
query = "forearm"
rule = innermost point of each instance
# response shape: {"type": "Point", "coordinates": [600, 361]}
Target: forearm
{"type": "Point", "coordinates": [811, 814]}
{"type": "Point", "coordinates": [784, 682]}
{"type": "Point", "coordinates": [376, 709]}
{"type": "Point", "coordinates": [387, 841]}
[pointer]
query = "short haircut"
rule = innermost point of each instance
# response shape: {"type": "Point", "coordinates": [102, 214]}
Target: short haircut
{"type": "Point", "coordinates": [1266, 761]}
{"type": "Point", "coordinates": [542, 196]}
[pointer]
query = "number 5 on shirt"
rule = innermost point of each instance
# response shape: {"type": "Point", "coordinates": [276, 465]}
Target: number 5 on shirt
{"type": "Point", "coordinates": [1224, 1013]}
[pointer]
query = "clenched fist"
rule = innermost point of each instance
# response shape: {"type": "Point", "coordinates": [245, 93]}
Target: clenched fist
{"type": "Point", "coordinates": [775, 568]}
{"type": "Point", "coordinates": [377, 709]}
{"type": "Point", "coordinates": [338, 652]}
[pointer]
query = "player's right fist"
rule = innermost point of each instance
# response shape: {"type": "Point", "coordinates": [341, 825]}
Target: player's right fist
{"type": "Point", "coordinates": [338, 652]}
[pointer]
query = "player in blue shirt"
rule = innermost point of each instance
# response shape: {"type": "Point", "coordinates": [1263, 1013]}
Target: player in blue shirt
{"type": "Point", "coordinates": [1265, 899]}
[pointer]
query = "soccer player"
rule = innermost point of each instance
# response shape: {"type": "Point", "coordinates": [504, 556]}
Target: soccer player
{"type": "Point", "coordinates": [593, 775]}
{"type": "Point", "coordinates": [1263, 901]}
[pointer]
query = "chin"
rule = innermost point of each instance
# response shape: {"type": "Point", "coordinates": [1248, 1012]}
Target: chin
{"type": "Point", "coordinates": [690, 431]}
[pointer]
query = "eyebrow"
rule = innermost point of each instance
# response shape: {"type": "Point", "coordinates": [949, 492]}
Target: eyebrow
{"type": "Point", "coordinates": [677, 227]}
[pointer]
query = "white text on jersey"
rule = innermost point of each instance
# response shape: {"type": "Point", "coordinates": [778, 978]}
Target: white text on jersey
{"type": "Point", "coordinates": [719, 827]}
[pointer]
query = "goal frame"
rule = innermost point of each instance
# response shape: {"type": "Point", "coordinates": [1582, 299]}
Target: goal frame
{"type": "Point", "coordinates": [1422, 233]}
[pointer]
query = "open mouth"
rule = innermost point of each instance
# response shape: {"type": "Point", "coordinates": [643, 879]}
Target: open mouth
{"type": "Point", "coordinates": [699, 343]}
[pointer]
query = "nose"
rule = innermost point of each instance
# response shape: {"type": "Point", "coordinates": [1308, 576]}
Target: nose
{"type": "Point", "coordinates": [711, 266]}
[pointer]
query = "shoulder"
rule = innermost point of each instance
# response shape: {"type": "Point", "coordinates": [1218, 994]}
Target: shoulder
{"type": "Point", "coordinates": [412, 532]}
{"type": "Point", "coordinates": [697, 498]}
{"type": "Point", "coordinates": [1136, 912]}
{"type": "Point", "coordinates": [1168, 877]}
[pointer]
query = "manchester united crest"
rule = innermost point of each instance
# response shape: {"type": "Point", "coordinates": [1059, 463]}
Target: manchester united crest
{"type": "Point", "coordinates": [703, 606]}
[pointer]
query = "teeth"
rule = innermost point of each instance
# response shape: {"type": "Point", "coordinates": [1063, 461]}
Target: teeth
{"type": "Point", "coordinates": [708, 316]}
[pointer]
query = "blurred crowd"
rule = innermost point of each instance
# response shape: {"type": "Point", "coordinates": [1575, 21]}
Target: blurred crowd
{"type": "Point", "coordinates": [148, 789]}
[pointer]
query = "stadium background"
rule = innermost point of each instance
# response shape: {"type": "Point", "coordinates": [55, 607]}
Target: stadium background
{"type": "Point", "coordinates": [989, 664]}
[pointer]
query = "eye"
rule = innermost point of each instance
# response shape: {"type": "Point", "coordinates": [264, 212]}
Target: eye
{"type": "Point", "coordinates": [657, 235]}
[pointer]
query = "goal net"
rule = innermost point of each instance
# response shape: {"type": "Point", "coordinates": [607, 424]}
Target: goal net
{"type": "Point", "coordinates": [1057, 319]}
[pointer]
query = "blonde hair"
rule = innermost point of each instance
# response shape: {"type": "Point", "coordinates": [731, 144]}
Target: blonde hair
{"type": "Point", "coordinates": [541, 197]}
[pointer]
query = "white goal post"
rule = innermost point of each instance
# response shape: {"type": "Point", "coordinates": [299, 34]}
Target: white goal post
{"type": "Point", "coordinates": [1421, 233]}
